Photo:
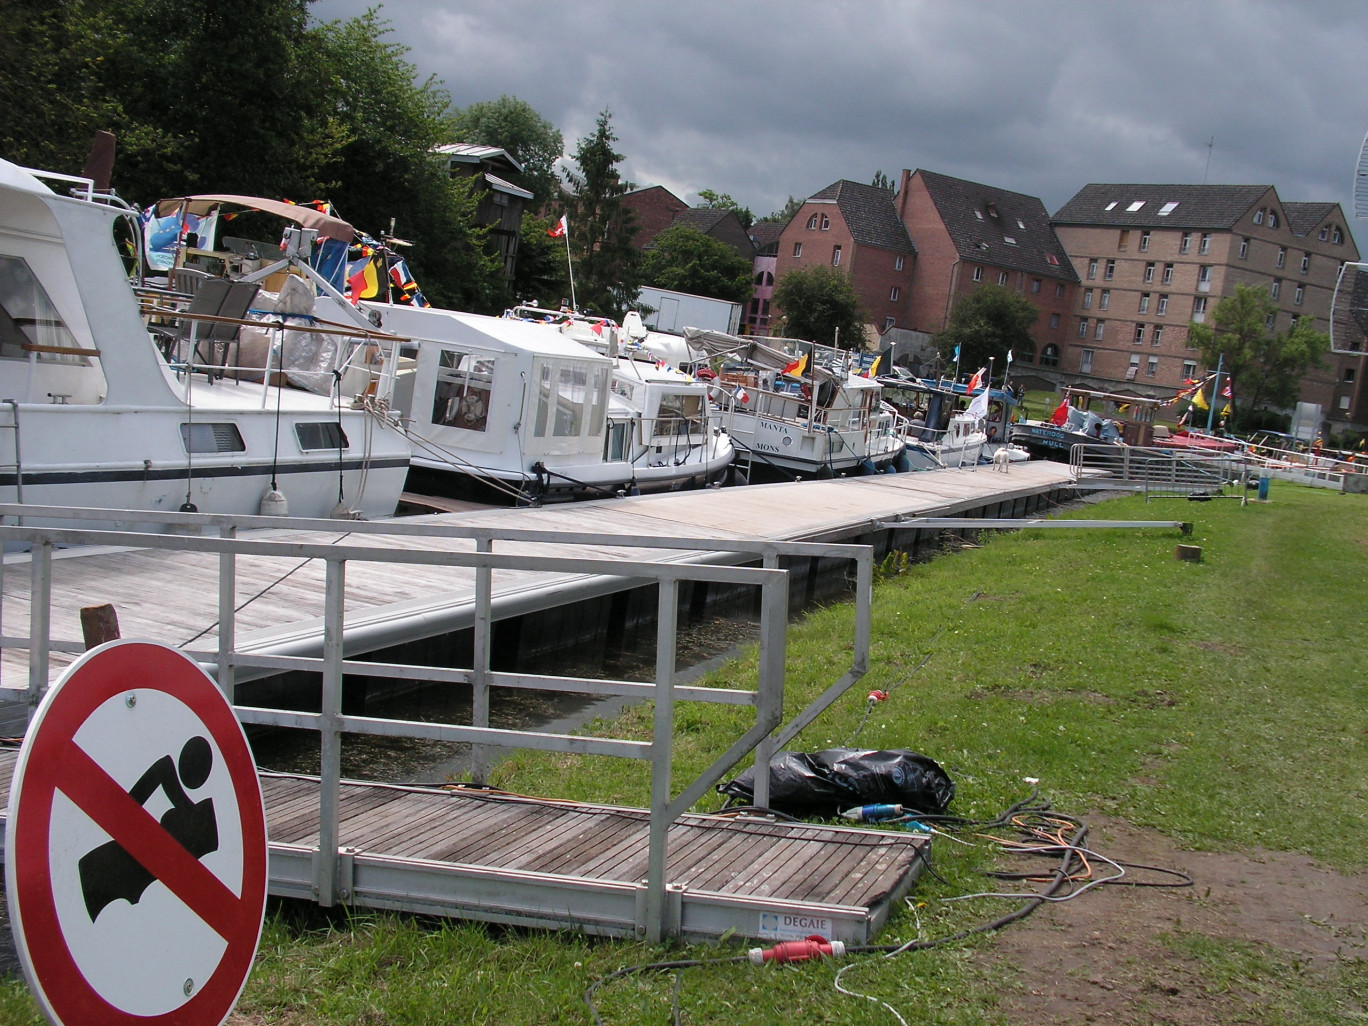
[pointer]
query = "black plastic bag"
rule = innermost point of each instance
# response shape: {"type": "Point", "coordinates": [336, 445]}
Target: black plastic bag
{"type": "Point", "coordinates": [828, 782]}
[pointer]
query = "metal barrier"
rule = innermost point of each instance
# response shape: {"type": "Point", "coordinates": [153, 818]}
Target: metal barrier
{"type": "Point", "coordinates": [711, 560]}
{"type": "Point", "coordinates": [1160, 473]}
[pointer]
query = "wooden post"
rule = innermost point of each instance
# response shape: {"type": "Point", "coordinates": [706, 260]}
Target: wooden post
{"type": "Point", "coordinates": [99, 624]}
{"type": "Point", "coordinates": [1192, 553]}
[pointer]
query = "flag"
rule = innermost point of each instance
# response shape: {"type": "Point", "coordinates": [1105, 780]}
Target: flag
{"type": "Point", "coordinates": [1225, 392]}
{"type": "Point", "coordinates": [1060, 417]}
{"type": "Point", "coordinates": [558, 230]}
{"type": "Point", "coordinates": [742, 395]}
{"type": "Point", "coordinates": [873, 367]}
{"type": "Point", "coordinates": [1199, 400]}
{"type": "Point", "coordinates": [1009, 360]}
{"type": "Point", "coordinates": [977, 379]}
{"type": "Point", "coordinates": [797, 367]}
{"type": "Point", "coordinates": [956, 354]}
{"type": "Point", "coordinates": [978, 409]}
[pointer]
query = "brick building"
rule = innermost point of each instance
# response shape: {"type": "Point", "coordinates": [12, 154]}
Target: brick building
{"type": "Point", "coordinates": [856, 228]}
{"type": "Point", "coordinates": [653, 210]}
{"type": "Point", "coordinates": [968, 234]}
{"type": "Point", "coordinates": [764, 235]}
{"type": "Point", "coordinates": [1153, 258]}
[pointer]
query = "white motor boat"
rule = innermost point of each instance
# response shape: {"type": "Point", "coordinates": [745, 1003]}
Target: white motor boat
{"type": "Point", "coordinates": [800, 409]}
{"type": "Point", "coordinates": [93, 412]}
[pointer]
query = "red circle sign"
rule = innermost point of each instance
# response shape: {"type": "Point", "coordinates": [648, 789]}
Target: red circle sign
{"type": "Point", "coordinates": [135, 854]}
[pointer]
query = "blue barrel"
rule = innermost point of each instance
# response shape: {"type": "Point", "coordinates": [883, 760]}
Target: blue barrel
{"type": "Point", "coordinates": [1263, 488]}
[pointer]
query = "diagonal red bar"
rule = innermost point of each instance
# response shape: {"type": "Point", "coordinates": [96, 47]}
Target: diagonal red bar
{"type": "Point", "coordinates": [101, 798]}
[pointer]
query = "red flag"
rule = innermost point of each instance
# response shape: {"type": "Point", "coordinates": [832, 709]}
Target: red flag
{"type": "Point", "coordinates": [977, 379]}
{"type": "Point", "coordinates": [558, 230]}
{"type": "Point", "coordinates": [1060, 417]}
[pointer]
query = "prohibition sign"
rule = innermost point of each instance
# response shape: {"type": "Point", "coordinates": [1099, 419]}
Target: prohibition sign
{"type": "Point", "coordinates": [135, 854]}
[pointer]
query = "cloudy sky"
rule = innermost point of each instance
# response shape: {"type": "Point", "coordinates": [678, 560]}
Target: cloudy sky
{"type": "Point", "coordinates": [763, 99]}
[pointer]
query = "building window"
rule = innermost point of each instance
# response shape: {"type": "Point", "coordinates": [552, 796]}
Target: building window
{"type": "Point", "coordinates": [1189, 369]}
{"type": "Point", "coordinates": [1152, 367]}
{"type": "Point", "coordinates": [1299, 295]}
{"type": "Point", "coordinates": [1009, 240]}
{"type": "Point", "coordinates": [1199, 304]}
{"type": "Point", "coordinates": [1025, 355]}
{"type": "Point", "coordinates": [978, 214]}
{"type": "Point", "coordinates": [1097, 334]}
{"type": "Point", "coordinates": [1270, 322]}
{"type": "Point", "coordinates": [1168, 274]}
{"type": "Point", "coordinates": [812, 222]}
{"type": "Point", "coordinates": [1135, 206]}
{"type": "Point", "coordinates": [1035, 284]}
{"type": "Point", "coordinates": [1110, 272]}
{"type": "Point", "coordinates": [978, 274]}
{"type": "Point", "coordinates": [1186, 243]}
{"type": "Point", "coordinates": [1085, 359]}
{"type": "Point", "coordinates": [1144, 241]}
{"type": "Point", "coordinates": [1144, 303]}
{"type": "Point", "coordinates": [769, 277]}
{"type": "Point", "coordinates": [1092, 268]}
{"type": "Point", "coordinates": [1059, 290]}
{"type": "Point", "coordinates": [1324, 232]}
{"type": "Point", "coordinates": [835, 256]}
{"type": "Point", "coordinates": [1104, 300]}
{"type": "Point", "coordinates": [1087, 299]}
{"type": "Point", "coordinates": [894, 293]}
{"type": "Point", "coordinates": [1157, 336]}
{"type": "Point", "coordinates": [1163, 305]}
{"type": "Point", "coordinates": [754, 310]}
{"type": "Point", "coordinates": [1272, 219]}
{"type": "Point", "coordinates": [1275, 288]}
{"type": "Point", "coordinates": [1282, 256]}
{"type": "Point", "coordinates": [1204, 278]}
{"type": "Point", "coordinates": [759, 277]}
{"type": "Point", "coordinates": [1049, 356]}
{"type": "Point", "coordinates": [1244, 250]}
{"type": "Point", "coordinates": [1205, 247]}
{"type": "Point", "coordinates": [1124, 241]}
{"type": "Point", "coordinates": [826, 222]}
{"type": "Point", "coordinates": [889, 322]}
{"type": "Point", "coordinates": [1139, 334]}
{"type": "Point", "coordinates": [1134, 367]}
{"type": "Point", "coordinates": [797, 249]}
{"type": "Point", "coordinates": [1054, 320]}
{"type": "Point", "coordinates": [1082, 327]}
{"type": "Point", "coordinates": [898, 264]}
{"type": "Point", "coordinates": [1348, 375]}
{"type": "Point", "coordinates": [1002, 277]}
{"type": "Point", "coordinates": [1149, 273]}
{"type": "Point", "coordinates": [1306, 262]}
{"type": "Point", "coordinates": [1258, 216]}
{"type": "Point", "coordinates": [1168, 208]}
{"type": "Point", "coordinates": [1344, 402]}
{"type": "Point", "coordinates": [1339, 237]}
{"type": "Point", "coordinates": [1294, 320]}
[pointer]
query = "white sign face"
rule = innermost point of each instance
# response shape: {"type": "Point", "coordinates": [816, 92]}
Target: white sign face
{"type": "Point", "coordinates": [136, 848]}
{"type": "Point", "coordinates": [793, 926]}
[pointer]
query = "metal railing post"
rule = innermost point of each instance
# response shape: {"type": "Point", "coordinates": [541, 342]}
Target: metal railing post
{"type": "Point", "coordinates": [482, 630]}
{"type": "Point", "coordinates": [40, 623]}
{"type": "Point", "coordinates": [769, 704]}
{"type": "Point", "coordinates": [662, 749]}
{"type": "Point", "coordinates": [330, 737]}
{"type": "Point", "coordinates": [227, 615]}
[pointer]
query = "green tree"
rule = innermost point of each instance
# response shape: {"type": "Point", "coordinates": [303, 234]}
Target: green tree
{"type": "Point", "coordinates": [683, 259]}
{"type": "Point", "coordinates": [513, 125]}
{"type": "Point", "coordinates": [985, 324]}
{"type": "Point", "coordinates": [541, 277]}
{"type": "Point", "coordinates": [1266, 367]}
{"type": "Point", "coordinates": [785, 213]}
{"type": "Point", "coordinates": [723, 201]}
{"type": "Point", "coordinates": [882, 181]}
{"type": "Point", "coordinates": [606, 264]}
{"type": "Point", "coordinates": [820, 304]}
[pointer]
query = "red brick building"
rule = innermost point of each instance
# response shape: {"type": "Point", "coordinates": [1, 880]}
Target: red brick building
{"type": "Point", "coordinates": [968, 234]}
{"type": "Point", "coordinates": [856, 228]}
{"type": "Point", "coordinates": [653, 210]}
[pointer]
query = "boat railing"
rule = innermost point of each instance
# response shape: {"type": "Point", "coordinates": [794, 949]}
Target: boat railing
{"type": "Point", "coordinates": [334, 643]}
{"type": "Point", "coordinates": [1158, 472]}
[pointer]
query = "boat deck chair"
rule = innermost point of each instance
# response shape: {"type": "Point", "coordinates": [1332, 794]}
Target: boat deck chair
{"type": "Point", "coordinates": [198, 343]}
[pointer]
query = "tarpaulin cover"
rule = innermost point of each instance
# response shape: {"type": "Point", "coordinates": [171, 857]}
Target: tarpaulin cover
{"type": "Point", "coordinates": [825, 783]}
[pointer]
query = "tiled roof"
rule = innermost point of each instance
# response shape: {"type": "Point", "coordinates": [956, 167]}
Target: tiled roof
{"type": "Point", "coordinates": [765, 234]}
{"type": "Point", "coordinates": [870, 215]}
{"type": "Point", "coordinates": [1305, 218]}
{"type": "Point", "coordinates": [1144, 206]}
{"type": "Point", "coordinates": [998, 227]}
{"type": "Point", "coordinates": [703, 218]}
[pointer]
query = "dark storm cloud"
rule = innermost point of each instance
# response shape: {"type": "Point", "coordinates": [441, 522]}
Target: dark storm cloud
{"type": "Point", "coordinates": [764, 99]}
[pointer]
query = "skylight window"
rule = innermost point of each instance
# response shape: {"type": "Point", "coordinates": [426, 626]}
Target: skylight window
{"type": "Point", "coordinates": [1168, 208]}
{"type": "Point", "coordinates": [978, 214]}
{"type": "Point", "coordinates": [1110, 206]}
{"type": "Point", "coordinates": [1009, 240]}
{"type": "Point", "coordinates": [1021, 224]}
{"type": "Point", "coordinates": [1052, 259]}
{"type": "Point", "coordinates": [1135, 206]}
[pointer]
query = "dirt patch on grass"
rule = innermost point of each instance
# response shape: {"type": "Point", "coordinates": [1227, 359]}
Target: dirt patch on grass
{"type": "Point", "coordinates": [1104, 958]}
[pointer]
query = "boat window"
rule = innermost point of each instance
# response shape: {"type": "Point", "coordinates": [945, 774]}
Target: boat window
{"type": "Point", "coordinates": [210, 437]}
{"type": "Point", "coordinates": [324, 434]}
{"type": "Point", "coordinates": [680, 415]}
{"type": "Point", "coordinates": [570, 395]}
{"type": "Point", "coordinates": [29, 322]}
{"type": "Point", "coordinates": [464, 384]}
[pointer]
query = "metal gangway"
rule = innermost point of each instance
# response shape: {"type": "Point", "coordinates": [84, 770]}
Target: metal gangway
{"type": "Point", "coordinates": [330, 872]}
{"type": "Point", "coordinates": [1160, 473]}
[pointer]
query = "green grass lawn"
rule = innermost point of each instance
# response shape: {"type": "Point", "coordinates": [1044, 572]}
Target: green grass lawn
{"type": "Point", "coordinates": [1219, 702]}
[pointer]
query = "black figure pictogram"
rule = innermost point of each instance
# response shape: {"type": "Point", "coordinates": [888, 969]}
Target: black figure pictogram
{"type": "Point", "coordinates": [109, 872]}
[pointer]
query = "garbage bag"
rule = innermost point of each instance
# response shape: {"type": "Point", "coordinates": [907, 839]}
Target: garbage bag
{"type": "Point", "coordinates": [822, 784]}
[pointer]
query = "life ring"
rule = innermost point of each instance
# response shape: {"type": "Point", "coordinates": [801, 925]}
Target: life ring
{"type": "Point", "coordinates": [470, 412]}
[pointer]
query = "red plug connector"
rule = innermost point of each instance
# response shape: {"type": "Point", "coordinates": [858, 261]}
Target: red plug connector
{"type": "Point", "coordinates": [798, 951]}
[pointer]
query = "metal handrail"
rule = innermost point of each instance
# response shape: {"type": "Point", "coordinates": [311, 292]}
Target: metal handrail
{"type": "Point", "coordinates": [712, 562]}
